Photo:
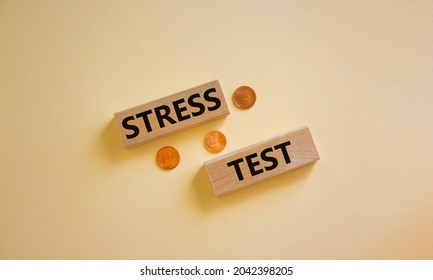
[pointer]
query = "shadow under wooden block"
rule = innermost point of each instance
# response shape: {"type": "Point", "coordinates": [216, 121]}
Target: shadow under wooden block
{"type": "Point", "coordinates": [207, 201]}
{"type": "Point", "coordinates": [111, 148]}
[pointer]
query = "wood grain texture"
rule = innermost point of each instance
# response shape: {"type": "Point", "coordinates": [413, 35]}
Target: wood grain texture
{"type": "Point", "coordinates": [261, 161]}
{"type": "Point", "coordinates": [171, 114]}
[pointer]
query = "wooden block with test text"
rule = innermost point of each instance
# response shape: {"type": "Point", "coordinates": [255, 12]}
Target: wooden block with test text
{"type": "Point", "coordinates": [261, 161]}
{"type": "Point", "coordinates": [171, 114]}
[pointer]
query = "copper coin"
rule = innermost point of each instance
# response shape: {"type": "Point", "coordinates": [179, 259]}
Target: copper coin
{"type": "Point", "coordinates": [215, 141]}
{"type": "Point", "coordinates": [168, 157]}
{"type": "Point", "coordinates": [244, 97]}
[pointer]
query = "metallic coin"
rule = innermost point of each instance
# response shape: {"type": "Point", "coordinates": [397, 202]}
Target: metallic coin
{"type": "Point", "coordinates": [215, 141]}
{"type": "Point", "coordinates": [168, 157]}
{"type": "Point", "coordinates": [244, 97]}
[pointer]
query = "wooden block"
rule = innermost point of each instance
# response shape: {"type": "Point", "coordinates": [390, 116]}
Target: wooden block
{"type": "Point", "coordinates": [171, 114]}
{"type": "Point", "coordinates": [261, 161]}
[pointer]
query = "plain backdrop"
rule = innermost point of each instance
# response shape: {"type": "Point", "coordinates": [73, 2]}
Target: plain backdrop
{"type": "Point", "coordinates": [358, 73]}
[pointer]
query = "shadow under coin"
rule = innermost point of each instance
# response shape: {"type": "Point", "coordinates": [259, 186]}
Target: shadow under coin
{"type": "Point", "coordinates": [208, 201]}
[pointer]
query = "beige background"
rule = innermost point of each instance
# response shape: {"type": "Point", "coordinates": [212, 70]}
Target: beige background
{"type": "Point", "coordinates": [358, 73]}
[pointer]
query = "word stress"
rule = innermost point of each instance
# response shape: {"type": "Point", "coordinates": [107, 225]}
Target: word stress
{"type": "Point", "coordinates": [171, 114]}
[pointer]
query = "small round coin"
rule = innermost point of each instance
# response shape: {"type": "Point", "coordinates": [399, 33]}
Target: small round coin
{"type": "Point", "coordinates": [168, 157]}
{"type": "Point", "coordinates": [215, 141]}
{"type": "Point", "coordinates": [244, 97]}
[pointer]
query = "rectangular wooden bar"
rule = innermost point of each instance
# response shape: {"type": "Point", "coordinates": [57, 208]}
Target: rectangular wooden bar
{"type": "Point", "coordinates": [171, 114]}
{"type": "Point", "coordinates": [261, 161]}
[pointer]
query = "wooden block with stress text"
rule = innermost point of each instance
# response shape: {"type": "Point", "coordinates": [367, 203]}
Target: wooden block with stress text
{"type": "Point", "coordinates": [171, 114]}
{"type": "Point", "coordinates": [261, 161]}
